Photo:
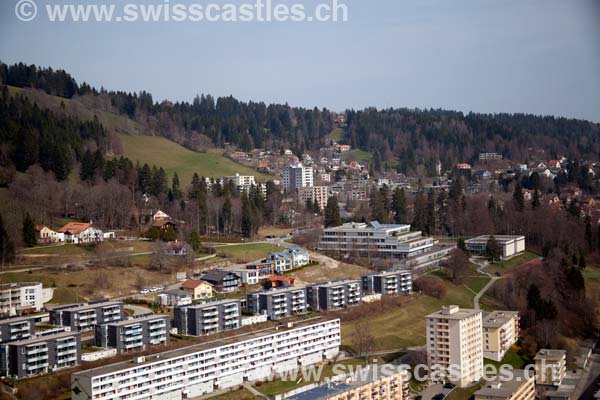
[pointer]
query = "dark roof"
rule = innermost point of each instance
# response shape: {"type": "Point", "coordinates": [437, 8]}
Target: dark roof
{"type": "Point", "coordinates": [216, 275]}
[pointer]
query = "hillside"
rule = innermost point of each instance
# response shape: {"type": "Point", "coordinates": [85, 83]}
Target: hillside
{"type": "Point", "coordinates": [176, 158]}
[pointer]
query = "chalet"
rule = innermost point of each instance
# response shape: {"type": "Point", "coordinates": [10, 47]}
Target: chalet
{"type": "Point", "coordinates": [46, 235]}
{"type": "Point", "coordinates": [81, 232]}
{"type": "Point", "coordinates": [164, 225]}
{"type": "Point", "coordinates": [160, 215]}
{"type": "Point", "coordinates": [554, 164]}
{"type": "Point", "coordinates": [223, 281]}
{"type": "Point", "coordinates": [342, 148]}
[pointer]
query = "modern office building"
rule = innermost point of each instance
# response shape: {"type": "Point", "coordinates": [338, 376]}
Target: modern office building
{"type": "Point", "coordinates": [386, 384]}
{"type": "Point", "coordinates": [388, 282]}
{"type": "Point", "coordinates": [16, 298]}
{"type": "Point", "coordinates": [85, 316]}
{"type": "Point", "coordinates": [375, 240]}
{"type": "Point", "coordinates": [550, 367]}
{"type": "Point", "coordinates": [134, 334]}
{"type": "Point", "coordinates": [521, 387]}
{"type": "Point", "coordinates": [509, 246]}
{"type": "Point", "coordinates": [334, 295]}
{"type": "Point", "coordinates": [297, 176]}
{"type": "Point", "coordinates": [320, 194]}
{"type": "Point", "coordinates": [208, 317]}
{"type": "Point", "coordinates": [41, 354]}
{"type": "Point", "coordinates": [454, 340]}
{"type": "Point", "coordinates": [278, 303]}
{"type": "Point", "coordinates": [500, 331]}
{"type": "Point", "coordinates": [17, 328]}
{"type": "Point", "coordinates": [200, 369]}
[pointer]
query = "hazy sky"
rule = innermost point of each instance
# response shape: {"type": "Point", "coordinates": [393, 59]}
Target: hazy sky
{"type": "Point", "coordinates": [537, 56]}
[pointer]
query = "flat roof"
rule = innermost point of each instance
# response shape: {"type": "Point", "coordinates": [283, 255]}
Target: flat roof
{"type": "Point", "coordinates": [18, 284]}
{"type": "Point", "coordinates": [214, 303]}
{"type": "Point", "coordinates": [550, 354]}
{"type": "Point", "coordinates": [44, 338]}
{"type": "Point", "coordinates": [87, 306]}
{"type": "Point", "coordinates": [457, 313]}
{"type": "Point", "coordinates": [496, 319]}
{"type": "Point", "coordinates": [500, 238]}
{"type": "Point", "coordinates": [338, 282]}
{"type": "Point", "coordinates": [149, 359]}
{"type": "Point", "coordinates": [504, 389]}
{"type": "Point", "coordinates": [22, 318]}
{"type": "Point", "coordinates": [279, 290]}
{"type": "Point", "coordinates": [133, 320]}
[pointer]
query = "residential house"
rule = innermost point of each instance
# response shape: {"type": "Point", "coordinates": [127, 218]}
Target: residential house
{"type": "Point", "coordinates": [81, 232]}
{"type": "Point", "coordinates": [176, 248]}
{"type": "Point", "coordinates": [176, 297]}
{"type": "Point", "coordinates": [223, 281]}
{"type": "Point", "coordinates": [288, 259]}
{"type": "Point", "coordinates": [45, 235]}
{"type": "Point", "coordinates": [198, 289]}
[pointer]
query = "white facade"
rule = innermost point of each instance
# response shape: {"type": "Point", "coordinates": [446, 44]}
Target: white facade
{"type": "Point", "coordinates": [15, 297]}
{"type": "Point", "coordinates": [200, 369]}
{"type": "Point", "coordinates": [297, 176]}
{"type": "Point", "coordinates": [509, 246]}
{"type": "Point", "coordinates": [454, 340]}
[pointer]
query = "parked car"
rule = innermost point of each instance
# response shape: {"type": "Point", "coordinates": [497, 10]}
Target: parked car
{"type": "Point", "coordinates": [144, 291]}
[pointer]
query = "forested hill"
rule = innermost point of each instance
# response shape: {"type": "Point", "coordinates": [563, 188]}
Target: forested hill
{"type": "Point", "coordinates": [410, 136]}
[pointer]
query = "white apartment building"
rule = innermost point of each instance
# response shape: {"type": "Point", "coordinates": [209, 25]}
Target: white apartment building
{"type": "Point", "coordinates": [320, 194]}
{"type": "Point", "coordinates": [375, 240]}
{"type": "Point", "coordinates": [18, 297]}
{"type": "Point", "coordinates": [297, 176]}
{"type": "Point", "coordinates": [200, 369]}
{"type": "Point", "coordinates": [500, 331]}
{"type": "Point", "coordinates": [454, 340]}
{"type": "Point", "coordinates": [550, 367]}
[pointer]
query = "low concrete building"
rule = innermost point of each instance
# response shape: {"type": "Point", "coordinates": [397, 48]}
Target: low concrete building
{"type": "Point", "coordinates": [334, 295]}
{"type": "Point", "coordinates": [134, 334]}
{"type": "Point", "coordinates": [208, 317]}
{"type": "Point", "coordinates": [509, 246]}
{"type": "Point", "coordinates": [521, 387]}
{"type": "Point", "coordinates": [550, 367]}
{"type": "Point", "coordinates": [388, 282]}
{"type": "Point", "coordinates": [278, 303]}
{"type": "Point", "coordinates": [42, 354]}
{"type": "Point", "coordinates": [82, 317]}
{"type": "Point", "coordinates": [500, 331]}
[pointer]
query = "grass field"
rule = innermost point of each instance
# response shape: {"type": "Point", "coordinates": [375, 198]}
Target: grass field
{"type": "Point", "coordinates": [405, 326]}
{"type": "Point", "coordinates": [356, 154]}
{"type": "Point", "coordinates": [240, 394]}
{"type": "Point", "coordinates": [504, 267]}
{"type": "Point", "coordinates": [512, 357]}
{"type": "Point", "coordinates": [273, 231]}
{"type": "Point", "coordinates": [176, 158]}
{"type": "Point", "coordinates": [243, 253]}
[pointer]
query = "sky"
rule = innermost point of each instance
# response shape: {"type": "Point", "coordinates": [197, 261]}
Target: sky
{"type": "Point", "coordinates": [531, 56]}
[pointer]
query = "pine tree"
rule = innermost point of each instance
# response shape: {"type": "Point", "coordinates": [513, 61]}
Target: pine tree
{"type": "Point", "coordinates": [225, 216]}
{"type": "Point", "coordinates": [492, 250]}
{"type": "Point", "coordinates": [518, 197]}
{"type": "Point", "coordinates": [29, 237]}
{"type": "Point", "coordinates": [332, 213]}
{"type": "Point", "coordinates": [420, 212]}
{"type": "Point", "coordinates": [462, 245]}
{"type": "Point", "coordinates": [399, 206]}
{"type": "Point", "coordinates": [247, 217]}
{"type": "Point", "coordinates": [7, 247]}
{"type": "Point", "coordinates": [535, 201]}
{"type": "Point", "coordinates": [431, 214]}
{"type": "Point", "coordinates": [176, 187]}
{"type": "Point", "coordinates": [87, 170]}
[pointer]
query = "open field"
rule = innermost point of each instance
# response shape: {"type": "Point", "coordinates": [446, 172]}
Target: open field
{"type": "Point", "coordinates": [328, 272]}
{"type": "Point", "coordinates": [240, 394]}
{"type": "Point", "coordinates": [176, 158]}
{"type": "Point", "coordinates": [404, 326]}
{"type": "Point", "coordinates": [504, 267]}
{"type": "Point", "coordinates": [244, 253]}
{"type": "Point", "coordinates": [273, 231]}
{"type": "Point", "coordinates": [356, 155]}
{"type": "Point", "coordinates": [512, 357]}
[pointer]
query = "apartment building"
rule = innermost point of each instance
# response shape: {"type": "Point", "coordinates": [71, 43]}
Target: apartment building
{"type": "Point", "coordinates": [243, 183]}
{"type": "Point", "coordinates": [288, 259]}
{"type": "Point", "coordinates": [521, 387]}
{"type": "Point", "coordinates": [550, 367]}
{"type": "Point", "coordinates": [388, 282]}
{"type": "Point", "coordinates": [17, 328]}
{"type": "Point", "coordinates": [205, 367]}
{"type": "Point", "coordinates": [82, 317]}
{"type": "Point", "coordinates": [375, 240]}
{"type": "Point", "coordinates": [297, 176]}
{"type": "Point", "coordinates": [385, 384]}
{"type": "Point", "coordinates": [454, 339]}
{"type": "Point", "coordinates": [41, 354]}
{"type": "Point", "coordinates": [334, 295]}
{"type": "Point", "coordinates": [319, 194]}
{"type": "Point", "coordinates": [134, 334]}
{"type": "Point", "coordinates": [509, 246]}
{"type": "Point", "coordinates": [16, 298]}
{"type": "Point", "coordinates": [500, 331]}
{"type": "Point", "coordinates": [278, 303]}
{"type": "Point", "coordinates": [208, 317]}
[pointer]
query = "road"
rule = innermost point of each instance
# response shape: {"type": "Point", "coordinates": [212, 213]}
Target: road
{"type": "Point", "coordinates": [481, 269]}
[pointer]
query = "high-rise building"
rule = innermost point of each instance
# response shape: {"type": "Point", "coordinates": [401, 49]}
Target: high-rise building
{"type": "Point", "coordinates": [297, 176]}
{"type": "Point", "coordinates": [454, 343]}
{"type": "Point", "coordinates": [500, 331]}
